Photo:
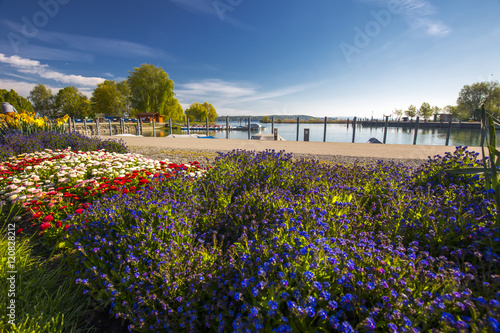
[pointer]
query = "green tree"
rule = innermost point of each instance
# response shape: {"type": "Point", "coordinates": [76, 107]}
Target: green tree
{"type": "Point", "coordinates": [43, 101]}
{"type": "Point", "coordinates": [72, 102]}
{"type": "Point", "coordinates": [19, 102]}
{"type": "Point", "coordinates": [472, 97]}
{"type": "Point", "coordinates": [172, 109]}
{"type": "Point", "coordinates": [265, 119]}
{"type": "Point", "coordinates": [124, 90]}
{"type": "Point", "coordinates": [200, 112]}
{"type": "Point", "coordinates": [150, 88]}
{"type": "Point", "coordinates": [107, 99]}
{"type": "Point", "coordinates": [425, 111]}
{"type": "Point", "coordinates": [398, 113]}
{"type": "Point", "coordinates": [411, 112]}
{"type": "Point", "coordinates": [436, 110]}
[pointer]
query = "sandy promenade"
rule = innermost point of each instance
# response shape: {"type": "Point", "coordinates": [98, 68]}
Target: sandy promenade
{"type": "Point", "coordinates": [386, 151]}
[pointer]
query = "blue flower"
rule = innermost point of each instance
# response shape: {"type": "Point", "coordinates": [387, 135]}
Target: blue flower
{"type": "Point", "coordinates": [273, 305]}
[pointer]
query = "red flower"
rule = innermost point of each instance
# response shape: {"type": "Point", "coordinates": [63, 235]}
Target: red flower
{"type": "Point", "coordinates": [37, 215]}
{"type": "Point", "coordinates": [62, 207]}
{"type": "Point", "coordinates": [58, 224]}
{"type": "Point", "coordinates": [143, 181]}
{"type": "Point", "coordinates": [125, 191]}
{"type": "Point", "coordinates": [45, 226]}
{"type": "Point", "coordinates": [19, 231]}
{"type": "Point", "coordinates": [48, 218]}
{"type": "Point", "coordinates": [79, 211]}
{"type": "Point", "coordinates": [66, 227]}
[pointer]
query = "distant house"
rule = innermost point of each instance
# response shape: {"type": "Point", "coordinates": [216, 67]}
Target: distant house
{"type": "Point", "coordinates": [443, 117]}
{"type": "Point", "coordinates": [148, 117]}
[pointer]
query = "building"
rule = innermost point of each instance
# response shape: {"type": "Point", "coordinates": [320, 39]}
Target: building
{"type": "Point", "coordinates": [443, 117]}
{"type": "Point", "coordinates": [149, 117]}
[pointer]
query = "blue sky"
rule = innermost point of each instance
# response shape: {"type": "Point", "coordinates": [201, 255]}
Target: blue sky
{"type": "Point", "coordinates": [321, 57]}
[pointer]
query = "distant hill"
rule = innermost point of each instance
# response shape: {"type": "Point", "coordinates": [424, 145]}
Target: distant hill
{"type": "Point", "coordinates": [282, 117]}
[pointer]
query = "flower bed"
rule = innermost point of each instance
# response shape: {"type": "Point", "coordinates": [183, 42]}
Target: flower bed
{"type": "Point", "coordinates": [51, 185]}
{"type": "Point", "coordinates": [264, 243]}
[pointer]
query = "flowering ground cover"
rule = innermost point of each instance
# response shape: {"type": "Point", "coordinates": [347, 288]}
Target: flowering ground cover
{"type": "Point", "coordinates": [48, 186]}
{"type": "Point", "coordinates": [263, 243]}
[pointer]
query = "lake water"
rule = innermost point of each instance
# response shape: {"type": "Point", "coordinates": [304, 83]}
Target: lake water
{"type": "Point", "coordinates": [342, 133]}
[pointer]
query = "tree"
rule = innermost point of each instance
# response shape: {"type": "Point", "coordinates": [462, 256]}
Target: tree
{"type": "Point", "coordinates": [200, 112]}
{"type": "Point", "coordinates": [172, 109]}
{"type": "Point", "coordinates": [471, 98]}
{"type": "Point", "coordinates": [124, 90]}
{"type": "Point", "coordinates": [265, 119]}
{"type": "Point", "coordinates": [411, 112]}
{"type": "Point", "coordinates": [212, 114]}
{"type": "Point", "coordinates": [107, 99]}
{"type": "Point", "coordinates": [72, 102]}
{"type": "Point", "coordinates": [425, 111]}
{"type": "Point", "coordinates": [150, 88]}
{"type": "Point", "coordinates": [18, 102]}
{"type": "Point", "coordinates": [43, 101]}
{"type": "Point", "coordinates": [436, 110]}
{"type": "Point", "coordinates": [398, 113]}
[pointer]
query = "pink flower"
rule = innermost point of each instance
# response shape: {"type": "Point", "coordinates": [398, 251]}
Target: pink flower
{"type": "Point", "coordinates": [58, 224]}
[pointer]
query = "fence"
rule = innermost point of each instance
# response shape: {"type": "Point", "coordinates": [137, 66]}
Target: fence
{"type": "Point", "coordinates": [109, 128]}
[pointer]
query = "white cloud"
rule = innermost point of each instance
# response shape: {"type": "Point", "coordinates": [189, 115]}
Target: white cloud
{"type": "Point", "coordinates": [28, 66]}
{"type": "Point", "coordinates": [215, 87]}
{"type": "Point", "coordinates": [419, 14]}
{"type": "Point", "coordinates": [23, 88]}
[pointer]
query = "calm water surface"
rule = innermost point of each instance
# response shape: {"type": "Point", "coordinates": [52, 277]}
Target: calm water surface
{"type": "Point", "coordinates": [341, 133]}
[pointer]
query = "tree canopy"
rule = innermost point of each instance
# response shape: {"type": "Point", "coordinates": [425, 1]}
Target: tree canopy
{"type": "Point", "coordinates": [150, 88]}
{"type": "Point", "coordinates": [411, 111]}
{"type": "Point", "coordinates": [472, 97]}
{"type": "Point", "coordinates": [107, 98]}
{"type": "Point", "coordinates": [200, 112]}
{"type": "Point", "coordinates": [19, 102]}
{"type": "Point", "coordinates": [43, 101]}
{"type": "Point", "coordinates": [72, 102]}
{"type": "Point", "coordinates": [425, 111]}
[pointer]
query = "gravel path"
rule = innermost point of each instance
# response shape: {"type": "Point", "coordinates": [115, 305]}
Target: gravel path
{"type": "Point", "coordinates": [207, 157]}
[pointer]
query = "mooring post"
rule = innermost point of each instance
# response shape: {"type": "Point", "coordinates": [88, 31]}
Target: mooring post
{"type": "Point", "coordinates": [324, 133]}
{"type": "Point", "coordinates": [347, 123]}
{"type": "Point", "coordinates": [272, 124]}
{"type": "Point", "coordinates": [448, 133]}
{"type": "Point", "coordinates": [385, 128]}
{"type": "Point", "coordinates": [189, 130]}
{"type": "Point", "coordinates": [306, 134]}
{"type": "Point", "coordinates": [298, 125]}
{"type": "Point", "coordinates": [154, 129]}
{"type": "Point", "coordinates": [353, 129]}
{"type": "Point", "coordinates": [109, 125]}
{"type": "Point", "coordinates": [170, 125]}
{"type": "Point", "coordinates": [85, 126]}
{"type": "Point", "coordinates": [227, 127]}
{"type": "Point", "coordinates": [97, 126]}
{"type": "Point", "coordinates": [207, 125]}
{"type": "Point", "coordinates": [74, 126]}
{"type": "Point", "coordinates": [69, 125]}
{"type": "Point", "coordinates": [248, 128]}
{"type": "Point", "coordinates": [416, 131]}
{"type": "Point", "coordinates": [275, 131]}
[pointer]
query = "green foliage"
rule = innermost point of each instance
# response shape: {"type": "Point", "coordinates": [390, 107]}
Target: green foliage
{"type": "Point", "coordinates": [150, 88]}
{"type": "Point", "coordinates": [46, 298]}
{"type": "Point", "coordinates": [19, 102]}
{"type": "Point", "coordinates": [472, 97]}
{"type": "Point", "coordinates": [70, 101]}
{"type": "Point", "coordinates": [199, 112]}
{"type": "Point", "coordinates": [108, 99]}
{"type": "Point", "coordinates": [172, 109]}
{"type": "Point", "coordinates": [43, 101]}
{"type": "Point", "coordinates": [411, 111]}
{"type": "Point", "coordinates": [425, 111]}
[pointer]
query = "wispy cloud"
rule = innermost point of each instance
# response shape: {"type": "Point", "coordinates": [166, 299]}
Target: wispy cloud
{"type": "Point", "coordinates": [34, 67]}
{"type": "Point", "coordinates": [84, 47]}
{"type": "Point", "coordinates": [419, 14]}
{"type": "Point", "coordinates": [219, 9]}
{"type": "Point", "coordinates": [236, 97]}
